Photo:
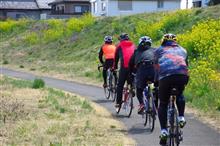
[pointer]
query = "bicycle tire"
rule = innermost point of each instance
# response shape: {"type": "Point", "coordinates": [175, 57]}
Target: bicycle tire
{"type": "Point", "coordinates": [152, 113]}
{"type": "Point", "coordinates": [113, 88]}
{"type": "Point", "coordinates": [177, 132]}
{"type": "Point", "coordinates": [107, 89]}
{"type": "Point", "coordinates": [130, 104]}
{"type": "Point", "coordinates": [107, 93]}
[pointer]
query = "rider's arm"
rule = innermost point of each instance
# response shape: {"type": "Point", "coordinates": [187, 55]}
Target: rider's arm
{"type": "Point", "coordinates": [156, 65]}
{"type": "Point", "coordinates": [116, 58]}
{"type": "Point", "coordinates": [132, 64]}
{"type": "Point", "coordinates": [100, 55]}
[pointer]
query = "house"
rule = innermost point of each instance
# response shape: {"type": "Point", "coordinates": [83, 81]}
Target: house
{"type": "Point", "coordinates": [187, 4]}
{"type": "Point", "coordinates": [69, 8]}
{"type": "Point", "coordinates": [127, 7]}
{"type": "Point", "coordinates": [24, 8]}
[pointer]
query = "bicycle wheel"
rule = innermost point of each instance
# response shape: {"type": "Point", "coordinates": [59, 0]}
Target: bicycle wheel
{"type": "Point", "coordinates": [145, 115]}
{"type": "Point", "coordinates": [178, 136]}
{"type": "Point", "coordinates": [107, 88]}
{"type": "Point", "coordinates": [129, 105]}
{"type": "Point", "coordinates": [152, 113]}
{"type": "Point", "coordinates": [172, 125]}
{"type": "Point", "coordinates": [113, 88]}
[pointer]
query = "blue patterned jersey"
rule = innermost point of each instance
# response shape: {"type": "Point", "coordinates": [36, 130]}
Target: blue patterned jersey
{"type": "Point", "coordinates": [170, 59]}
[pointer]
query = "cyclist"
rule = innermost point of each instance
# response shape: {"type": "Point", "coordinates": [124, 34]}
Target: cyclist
{"type": "Point", "coordinates": [142, 63]}
{"type": "Point", "coordinates": [124, 51]}
{"type": "Point", "coordinates": [172, 71]}
{"type": "Point", "coordinates": [108, 50]}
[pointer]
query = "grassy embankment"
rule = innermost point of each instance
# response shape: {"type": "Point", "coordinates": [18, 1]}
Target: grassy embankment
{"type": "Point", "coordinates": [70, 47]}
{"type": "Point", "coordinates": [47, 116]}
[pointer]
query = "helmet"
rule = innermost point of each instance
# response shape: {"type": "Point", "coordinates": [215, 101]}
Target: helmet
{"type": "Point", "coordinates": [145, 40]}
{"type": "Point", "coordinates": [123, 36]}
{"type": "Point", "coordinates": [169, 37]}
{"type": "Point", "coordinates": [108, 39]}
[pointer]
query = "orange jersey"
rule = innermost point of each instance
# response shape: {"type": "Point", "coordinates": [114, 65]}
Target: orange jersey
{"type": "Point", "coordinates": [109, 51]}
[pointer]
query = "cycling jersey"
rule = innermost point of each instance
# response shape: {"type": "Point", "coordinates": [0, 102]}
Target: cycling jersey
{"type": "Point", "coordinates": [124, 51]}
{"type": "Point", "coordinates": [171, 59]}
{"type": "Point", "coordinates": [108, 50]}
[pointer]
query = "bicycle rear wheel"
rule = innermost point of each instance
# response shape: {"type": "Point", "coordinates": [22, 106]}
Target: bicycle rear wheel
{"type": "Point", "coordinates": [113, 89]}
{"type": "Point", "coordinates": [152, 114]}
{"type": "Point", "coordinates": [107, 89]}
{"type": "Point", "coordinates": [178, 136]}
{"type": "Point", "coordinates": [129, 105]}
{"type": "Point", "coordinates": [107, 92]}
{"type": "Point", "coordinates": [174, 130]}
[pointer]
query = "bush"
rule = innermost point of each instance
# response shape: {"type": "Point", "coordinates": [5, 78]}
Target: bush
{"type": "Point", "coordinates": [21, 66]}
{"type": "Point", "coordinates": [38, 83]}
{"type": "Point", "coordinates": [5, 62]}
{"type": "Point", "coordinates": [169, 23]}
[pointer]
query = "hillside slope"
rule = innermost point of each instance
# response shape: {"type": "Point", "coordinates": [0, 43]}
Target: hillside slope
{"type": "Point", "coordinates": [70, 47]}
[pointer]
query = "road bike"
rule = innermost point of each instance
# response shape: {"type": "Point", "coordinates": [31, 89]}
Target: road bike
{"type": "Point", "coordinates": [110, 89]}
{"type": "Point", "coordinates": [149, 114]}
{"type": "Point", "coordinates": [175, 133]}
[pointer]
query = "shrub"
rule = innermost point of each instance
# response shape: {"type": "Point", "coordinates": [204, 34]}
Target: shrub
{"type": "Point", "coordinates": [12, 25]}
{"type": "Point", "coordinates": [38, 83]}
{"type": "Point", "coordinates": [168, 23]}
{"type": "Point", "coordinates": [77, 24]}
{"type": "Point", "coordinates": [32, 38]}
{"type": "Point", "coordinates": [5, 62]}
{"type": "Point", "coordinates": [21, 66]}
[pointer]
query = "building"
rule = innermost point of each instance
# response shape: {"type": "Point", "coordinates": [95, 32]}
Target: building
{"type": "Point", "coordinates": [127, 7]}
{"type": "Point", "coordinates": [69, 8]}
{"type": "Point", "coordinates": [24, 8]}
{"type": "Point", "coordinates": [187, 4]}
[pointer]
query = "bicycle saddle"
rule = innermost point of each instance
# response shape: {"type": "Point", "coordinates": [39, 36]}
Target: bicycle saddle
{"type": "Point", "coordinates": [174, 91]}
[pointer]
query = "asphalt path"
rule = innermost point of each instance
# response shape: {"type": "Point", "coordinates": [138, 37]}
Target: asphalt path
{"type": "Point", "coordinates": [195, 133]}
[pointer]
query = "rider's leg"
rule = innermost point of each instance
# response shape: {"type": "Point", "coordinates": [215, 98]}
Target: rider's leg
{"type": "Point", "coordinates": [162, 111]}
{"type": "Point", "coordinates": [181, 81]}
{"type": "Point", "coordinates": [140, 95]}
{"type": "Point", "coordinates": [104, 74]}
{"type": "Point", "coordinates": [164, 97]}
{"type": "Point", "coordinates": [121, 81]}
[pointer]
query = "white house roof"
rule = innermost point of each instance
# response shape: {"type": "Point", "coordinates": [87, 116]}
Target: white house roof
{"type": "Point", "coordinates": [43, 4]}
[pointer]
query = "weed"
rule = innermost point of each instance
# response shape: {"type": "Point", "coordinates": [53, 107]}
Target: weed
{"type": "Point", "coordinates": [5, 62]}
{"type": "Point", "coordinates": [86, 105]}
{"type": "Point", "coordinates": [38, 83]}
{"type": "Point", "coordinates": [21, 66]}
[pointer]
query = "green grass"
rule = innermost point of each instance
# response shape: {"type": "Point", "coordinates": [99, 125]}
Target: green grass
{"type": "Point", "coordinates": [73, 51]}
{"type": "Point", "coordinates": [38, 83]}
{"type": "Point", "coordinates": [52, 117]}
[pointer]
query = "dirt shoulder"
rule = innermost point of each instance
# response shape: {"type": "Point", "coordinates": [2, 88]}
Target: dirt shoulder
{"type": "Point", "coordinates": [52, 117]}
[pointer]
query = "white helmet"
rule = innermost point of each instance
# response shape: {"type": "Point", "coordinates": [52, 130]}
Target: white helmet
{"type": "Point", "coordinates": [145, 39]}
{"type": "Point", "coordinates": [108, 39]}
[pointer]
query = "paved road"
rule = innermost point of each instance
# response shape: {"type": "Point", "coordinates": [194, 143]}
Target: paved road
{"type": "Point", "coordinates": [195, 132]}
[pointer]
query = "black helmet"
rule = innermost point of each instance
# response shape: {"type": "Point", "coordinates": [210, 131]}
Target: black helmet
{"type": "Point", "coordinates": [123, 36]}
{"type": "Point", "coordinates": [108, 39]}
